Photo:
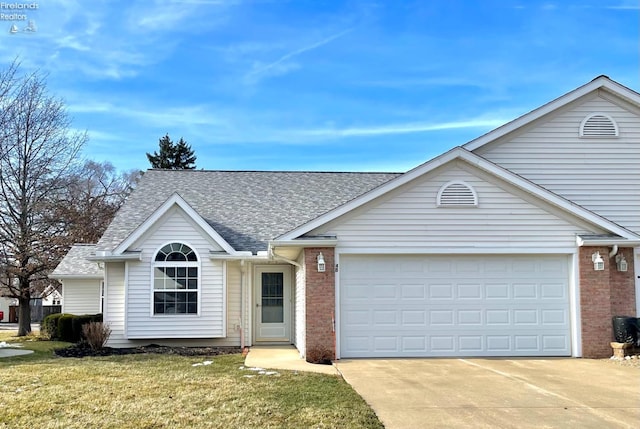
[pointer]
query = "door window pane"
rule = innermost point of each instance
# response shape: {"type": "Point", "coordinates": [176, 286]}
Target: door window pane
{"type": "Point", "coordinates": [272, 298]}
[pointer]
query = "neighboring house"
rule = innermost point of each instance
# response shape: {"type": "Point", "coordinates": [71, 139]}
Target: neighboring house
{"type": "Point", "coordinates": [81, 280]}
{"type": "Point", "coordinates": [5, 303]}
{"type": "Point", "coordinates": [523, 242]}
{"type": "Point", "coordinates": [51, 296]}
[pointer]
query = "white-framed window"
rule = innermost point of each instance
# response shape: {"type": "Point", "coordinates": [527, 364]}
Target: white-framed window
{"type": "Point", "coordinates": [457, 194]}
{"type": "Point", "coordinates": [176, 280]}
{"type": "Point", "coordinates": [598, 125]}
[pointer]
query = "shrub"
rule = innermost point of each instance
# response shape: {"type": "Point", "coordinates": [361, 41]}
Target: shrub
{"type": "Point", "coordinates": [320, 355]}
{"type": "Point", "coordinates": [96, 334]}
{"type": "Point", "coordinates": [65, 328]}
{"type": "Point", "coordinates": [76, 324]}
{"type": "Point", "coordinates": [49, 326]}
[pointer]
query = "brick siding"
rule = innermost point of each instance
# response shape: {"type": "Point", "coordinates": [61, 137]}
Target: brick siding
{"type": "Point", "coordinates": [320, 294]}
{"type": "Point", "coordinates": [603, 294]}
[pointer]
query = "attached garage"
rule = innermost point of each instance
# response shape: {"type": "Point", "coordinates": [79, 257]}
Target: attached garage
{"type": "Point", "coordinates": [469, 305]}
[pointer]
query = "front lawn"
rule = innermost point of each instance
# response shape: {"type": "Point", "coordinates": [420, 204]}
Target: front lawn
{"type": "Point", "coordinates": [167, 391]}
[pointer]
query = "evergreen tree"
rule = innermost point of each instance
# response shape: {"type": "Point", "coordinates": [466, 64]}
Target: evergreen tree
{"type": "Point", "coordinates": [173, 156]}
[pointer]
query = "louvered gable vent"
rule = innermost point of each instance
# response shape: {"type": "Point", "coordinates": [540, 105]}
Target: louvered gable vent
{"type": "Point", "coordinates": [457, 194]}
{"type": "Point", "coordinates": [598, 125]}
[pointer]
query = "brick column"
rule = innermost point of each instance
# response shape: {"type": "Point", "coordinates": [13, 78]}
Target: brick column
{"type": "Point", "coordinates": [320, 294]}
{"type": "Point", "coordinates": [623, 286]}
{"type": "Point", "coordinates": [603, 294]}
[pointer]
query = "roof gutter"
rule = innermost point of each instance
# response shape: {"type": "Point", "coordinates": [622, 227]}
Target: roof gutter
{"type": "Point", "coordinates": [305, 242]}
{"type": "Point", "coordinates": [103, 256]}
{"type": "Point", "coordinates": [607, 242]}
{"type": "Point", "coordinates": [76, 276]}
{"type": "Point", "coordinates": [273, 256]}
{"type": "Point", "coordinates": [238, 256]}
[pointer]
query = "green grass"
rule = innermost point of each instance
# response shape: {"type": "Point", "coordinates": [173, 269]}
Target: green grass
{"type": "Point", "coordinates": [162, 391]}
{"type": "Point", "coordinates": [41, 349]}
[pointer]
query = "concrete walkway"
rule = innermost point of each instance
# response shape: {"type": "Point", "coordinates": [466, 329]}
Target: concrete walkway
{"type": "Point", "coordinates": [11, 351]}
{"type": "Point", "coordinates": [6, 352]}
{"type": "Point", "coordinates": [497, 393]}
{"type": "Point", "coordinates": [283, 357]}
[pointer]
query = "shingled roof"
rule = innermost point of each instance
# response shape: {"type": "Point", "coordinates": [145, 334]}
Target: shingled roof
{"type": "Point", "coordinates": [247, 208]}
{"type": "Point", "coordinates": [75, 263]}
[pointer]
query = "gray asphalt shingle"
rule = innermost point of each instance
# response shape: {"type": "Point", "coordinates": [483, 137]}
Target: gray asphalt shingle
{"type": "Point", "coordinates": [75, 262]}
{"type": "Point", "coordinates": [247, 208]}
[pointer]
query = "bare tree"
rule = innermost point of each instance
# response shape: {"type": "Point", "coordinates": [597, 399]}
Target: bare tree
{"type": "Point", "coordinates": [90, 199]}
{"type": "Point", "coordinates": [37, 149]}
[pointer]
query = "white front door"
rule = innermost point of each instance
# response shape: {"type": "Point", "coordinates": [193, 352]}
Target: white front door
{"type": "Point", "coordinates": [273, 303]}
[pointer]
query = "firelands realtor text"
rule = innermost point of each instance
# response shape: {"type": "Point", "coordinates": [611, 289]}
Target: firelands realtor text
{"type": "Point", "coordinates": [11, 11]}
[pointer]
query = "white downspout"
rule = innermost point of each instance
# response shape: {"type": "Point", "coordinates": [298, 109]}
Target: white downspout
{"type": "Point", "coordinates": [242, 306]}
{"type": "Point", "coordinates": [614, 251]}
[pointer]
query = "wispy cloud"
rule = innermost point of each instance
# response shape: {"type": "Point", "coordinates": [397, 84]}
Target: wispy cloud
{"type": "Point", "coordinates": [628, 5]}
{"type": "Point", "coordinates": [408, 128]}
{"type": "Point", "coordinates": [420, 82]}
{"type": "Point", "coordinates": [278, 65]}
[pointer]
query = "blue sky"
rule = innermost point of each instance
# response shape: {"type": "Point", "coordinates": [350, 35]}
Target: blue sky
{"type": "Point", "coordinates": [314, 85]}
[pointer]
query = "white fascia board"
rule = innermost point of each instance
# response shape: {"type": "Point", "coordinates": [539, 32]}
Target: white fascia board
{"type": "Point", "coordinates": [75, 277]}
{"type": "Point", "coordinates": [129, 256]}
{"type": "Point", "coordinates": [175, 199]}
{"type": "Point", "coordinates": [238, 257]}
{"type": "Point", "coordinates": [303, 242]}
{"type": "Point", "coordinates": [598, 83]}
{"type": "Point", "coordinates": [581, 242]}
{"type": "Point", "coordinates": [372, 194]}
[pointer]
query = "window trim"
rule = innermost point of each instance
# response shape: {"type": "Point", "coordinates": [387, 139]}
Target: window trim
{"type": "Point", "coordinates": [589, 136]}
{"type": "Point", "coordinates": [439, 202]}
{"type": "Point", "coordinates": [177, 264]}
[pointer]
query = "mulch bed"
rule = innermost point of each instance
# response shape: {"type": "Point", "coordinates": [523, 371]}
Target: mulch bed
{"type": "Point", "coordinates": [83, 350]}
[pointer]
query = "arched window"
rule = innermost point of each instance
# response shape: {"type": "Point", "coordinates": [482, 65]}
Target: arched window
{"type": "Point", "coordinates": [175, 280]}
{"type": "Point", "coordinates": [457, 194]}
{"type": "Point", "coordinates": [598, 125]}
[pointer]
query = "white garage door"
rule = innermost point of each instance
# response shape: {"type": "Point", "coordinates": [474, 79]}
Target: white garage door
{"type": "Point", "coordinates": [403, 306]}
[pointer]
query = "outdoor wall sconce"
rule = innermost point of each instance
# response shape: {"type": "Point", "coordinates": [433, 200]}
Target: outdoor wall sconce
{"type": "Point", "coordinates": [621, 263]}
{"type": "Point", "coordinates": [598, 262]}
{"type": "Point", "coordinates": [321, 264]}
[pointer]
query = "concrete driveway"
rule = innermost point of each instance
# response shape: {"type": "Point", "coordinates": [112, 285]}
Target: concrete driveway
{"type": "Point", "coordinates": [497, 393]}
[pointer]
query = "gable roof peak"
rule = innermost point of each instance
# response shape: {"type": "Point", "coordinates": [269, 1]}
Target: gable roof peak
{"type": "Point", "coordinates": [597, 83]}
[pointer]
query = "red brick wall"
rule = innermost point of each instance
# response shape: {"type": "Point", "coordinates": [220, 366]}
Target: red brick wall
{"type": "Point", "coordinates": [320, 294]}
{"type": "Point", "coordinates": [603, 294]}
{"type": "Point", "coordinates": [623, 286]}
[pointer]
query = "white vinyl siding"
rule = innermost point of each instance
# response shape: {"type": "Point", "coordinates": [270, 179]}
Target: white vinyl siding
{"type": "Point", "coordinates": [481, 305]}
{"type": "Point", "coordinates": [81, 296]}
{"type": "Point", "coordinates": [234, 312]}
{"type": "Point", "coordinates": [409, 220]}
{"type": "Point", "coordinates": [601, 174]}
{"type": "Point", "coordinates": [300, 315]}
{"type": "Point", "coordinates": [175, 226]}
{"type": "Point", "coordinates": [4, 307]}
{"type": "Point", "coordinates": [114, 299]}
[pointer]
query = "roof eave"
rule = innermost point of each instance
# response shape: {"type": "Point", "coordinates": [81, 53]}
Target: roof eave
{"type": "Point", "coordinates": [109, 257]}
{"type": "Point", "coordinates": [76, 276]}
{"type": "Point", "coordinates": [614, 241]}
